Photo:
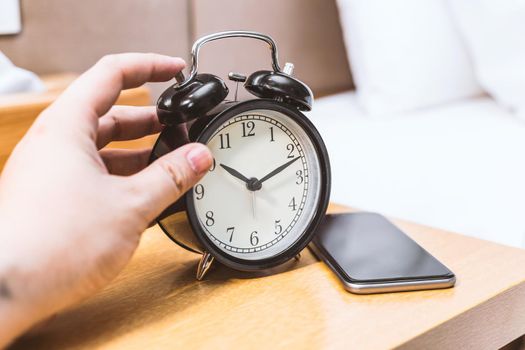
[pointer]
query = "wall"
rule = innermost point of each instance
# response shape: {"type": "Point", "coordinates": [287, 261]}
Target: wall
{"type": "Point", "coordinates": [69, 35]}
{"type": "Point", "coordinates": [307, 33]}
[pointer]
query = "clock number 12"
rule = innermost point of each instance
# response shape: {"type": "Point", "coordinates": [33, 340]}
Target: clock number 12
{"type": "Point", "coordinates": [249, 126]}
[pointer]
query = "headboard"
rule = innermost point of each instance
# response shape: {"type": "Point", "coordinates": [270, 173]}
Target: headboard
{"type": "Point", "coordinates": [67, 35]}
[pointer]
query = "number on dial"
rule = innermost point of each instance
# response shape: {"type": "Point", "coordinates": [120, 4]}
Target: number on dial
{"type": "Point", "coordinates": [245, 221]}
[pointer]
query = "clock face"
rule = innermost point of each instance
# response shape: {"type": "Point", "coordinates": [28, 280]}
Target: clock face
{"type": "Point", "coordinates": [264, 187]}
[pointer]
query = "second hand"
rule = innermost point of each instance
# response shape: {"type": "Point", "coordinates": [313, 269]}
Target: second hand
{"type": "Point", "coordinates": [253, 204]}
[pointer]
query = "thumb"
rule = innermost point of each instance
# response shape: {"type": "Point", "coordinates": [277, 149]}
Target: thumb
{"type": "Point", "coordinates": [168, 178]}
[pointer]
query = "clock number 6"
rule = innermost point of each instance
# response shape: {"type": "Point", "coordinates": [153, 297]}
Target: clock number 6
{"type": "Point", "coordinates": [254, 240]}
{"type": "Point", "coordinates": [209, 218]}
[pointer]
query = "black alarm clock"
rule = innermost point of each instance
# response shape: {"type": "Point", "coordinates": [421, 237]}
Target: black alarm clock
{"type": "Point", "coordinates": [268, 188]}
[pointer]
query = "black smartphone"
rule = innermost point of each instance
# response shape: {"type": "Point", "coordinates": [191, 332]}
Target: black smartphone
{"type": "Point", "coordinates": [371, 255]}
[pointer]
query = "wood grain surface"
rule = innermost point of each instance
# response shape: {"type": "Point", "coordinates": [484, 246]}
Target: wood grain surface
{"type": "Point", "coordinates": [18, 111]}
{"type": "Point", "coordinates": [156, 303]}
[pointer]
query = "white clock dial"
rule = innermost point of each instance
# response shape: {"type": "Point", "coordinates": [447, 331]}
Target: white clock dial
{"type": "Point", "coordinates": [262, 192]}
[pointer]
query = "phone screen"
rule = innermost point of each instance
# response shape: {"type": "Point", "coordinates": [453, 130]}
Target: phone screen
{"type": "Point", "coordinates": [366, 247]}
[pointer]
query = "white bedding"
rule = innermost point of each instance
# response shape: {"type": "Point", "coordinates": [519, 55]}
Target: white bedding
{"type": "Point", "coordinates": [460, 167]}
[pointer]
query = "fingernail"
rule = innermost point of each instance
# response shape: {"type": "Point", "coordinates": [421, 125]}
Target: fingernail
{"type": "Point", "coordinates": [199, 158]}
{"type": "Point", "coordinates": [179, 61]}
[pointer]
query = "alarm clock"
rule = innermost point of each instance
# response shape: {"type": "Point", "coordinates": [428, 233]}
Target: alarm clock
{"type": "Point", "coordinates": [268, 188]}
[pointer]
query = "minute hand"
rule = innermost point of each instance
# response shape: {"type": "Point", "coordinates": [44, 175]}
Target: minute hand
{"type": "Point", "coordinates": [278, 170]}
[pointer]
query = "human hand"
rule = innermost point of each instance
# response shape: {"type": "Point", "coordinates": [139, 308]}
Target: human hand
{"type": "Point", "coordinates": [71, 214]}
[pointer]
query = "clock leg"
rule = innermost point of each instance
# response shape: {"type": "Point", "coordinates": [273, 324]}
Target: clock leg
{"type": "Point", "coordinates": [298, 256]}
{"type": "Point", "coordinates": [204, 265]}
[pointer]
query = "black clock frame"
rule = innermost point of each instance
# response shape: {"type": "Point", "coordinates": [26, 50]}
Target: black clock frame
{"type": "Point", "coordinates": [324, 195]}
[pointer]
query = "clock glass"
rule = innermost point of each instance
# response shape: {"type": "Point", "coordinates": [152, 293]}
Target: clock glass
{"type": "Point", "coordinates": [264, 187]}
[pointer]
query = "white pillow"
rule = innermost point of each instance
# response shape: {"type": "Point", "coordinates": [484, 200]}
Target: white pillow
{"type": "Point", "coordinates": [405, 54]}
{"type": "Point", "coordinates": [14, 79]}
{"type": "Point", "coordinates": [494, 32]}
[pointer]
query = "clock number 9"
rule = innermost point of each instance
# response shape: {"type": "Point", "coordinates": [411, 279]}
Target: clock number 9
{"type": "Point", "coordinates": [254, 240]}
{"type": "Point", "coordinates": [290, 147]}
{"type": "Point", "coordinates": [199, 191]}
{"type": "Point", "coordinates": [209, 218]}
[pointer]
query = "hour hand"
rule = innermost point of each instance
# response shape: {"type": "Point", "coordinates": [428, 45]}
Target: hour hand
{"type": "Point", "coordinates": [235, 173]}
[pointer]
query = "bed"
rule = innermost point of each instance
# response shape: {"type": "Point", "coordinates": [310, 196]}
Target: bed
{"type": "Point", "coordinates": [459, 167]}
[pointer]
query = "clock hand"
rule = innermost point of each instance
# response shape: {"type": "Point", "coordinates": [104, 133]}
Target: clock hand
{"type": "Point", "coordinates": [235, 173]}
{"type": "Point", "coordinates": [278, 170]}
{"type": "Point", "coordinates": [253, 204]}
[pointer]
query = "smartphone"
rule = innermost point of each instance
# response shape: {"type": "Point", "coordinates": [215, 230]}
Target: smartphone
{"type": "Point", "coordinates": [371, 255]}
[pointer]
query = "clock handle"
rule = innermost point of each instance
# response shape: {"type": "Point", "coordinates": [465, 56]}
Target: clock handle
{"type": "Point", "coordinates": [223, 35]}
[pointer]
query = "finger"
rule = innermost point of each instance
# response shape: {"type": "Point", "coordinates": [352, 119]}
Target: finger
{"type": "Point", "coordinates": [100, 86]}
{"type": "Point", "coordinates": [169, 177]}
{"type": "Point", "coordinates": [125, 161]}
{"type": "Point", "coordinates": [95, 91]}
{"type": "Point", "coordinates": [127, 123]}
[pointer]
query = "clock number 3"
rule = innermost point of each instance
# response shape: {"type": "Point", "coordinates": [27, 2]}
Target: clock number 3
{"type": "Point", "coordinates": [300, 177]}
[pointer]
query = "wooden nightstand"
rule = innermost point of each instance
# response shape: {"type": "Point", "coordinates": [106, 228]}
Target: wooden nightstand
{"type": "Point", "coordinates": [156, 303]}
